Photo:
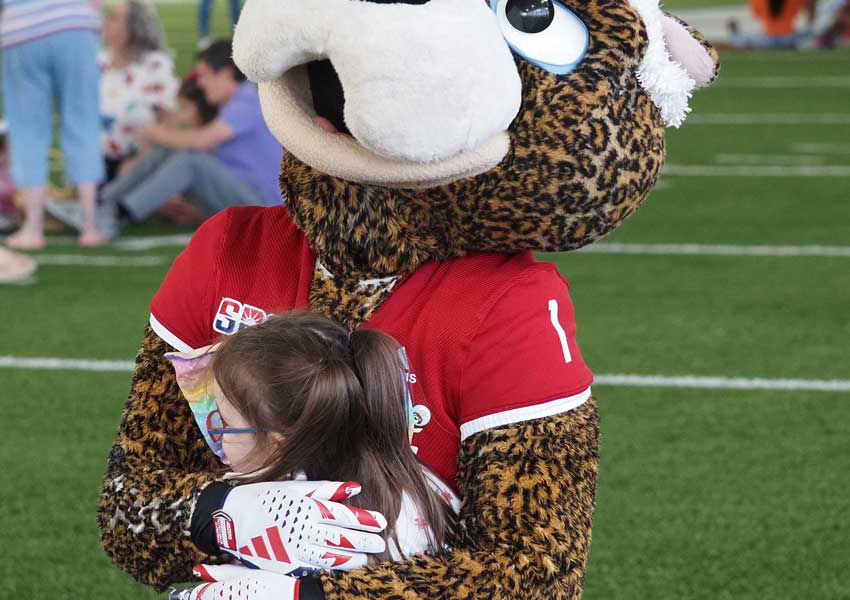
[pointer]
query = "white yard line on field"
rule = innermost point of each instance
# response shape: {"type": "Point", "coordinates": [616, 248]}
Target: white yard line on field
{"type": "Point", "coordinates": [83, 260]}
{"type": "Point", "coordinates": [72, 260]}
{"type": "Point", "coordinates": [798, 56]}
{"type": "Point", "coordinates": [683, 381]}
{"type": "Point", "coordinates": [65, 364]}
{"type": "Point", "coordinates": [149, 243]}
{"type": "Point", "coordinates": [137, 243]}
{"type": "Point", "coordinates": [768, 159]}
{"type": "Point", "coordinates": [756, 171]}
{"type": "Point", "coordinates": [769, 119]}
{"type": "Point", "coordinates": [724, 383]}
{"type": "Point", "coordinates": [717, 250]}
{"type": "Point", "coordinates": [785, 81]}
{"type": "Point", "coordinates": [815, 148]}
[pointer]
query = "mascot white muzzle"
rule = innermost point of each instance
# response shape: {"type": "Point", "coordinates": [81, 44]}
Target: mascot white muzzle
{"type": "Point", "coordinates": [411, 120]}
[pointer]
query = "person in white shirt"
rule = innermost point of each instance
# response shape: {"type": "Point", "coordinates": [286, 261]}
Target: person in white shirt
{"type": "Point", "coordinates": [138, 84]}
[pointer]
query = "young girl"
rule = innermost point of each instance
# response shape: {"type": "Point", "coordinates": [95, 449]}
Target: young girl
{"type": "Point", "coordinates": [193, 108]}
{"type": "Point", "coordinates": [297, 396]}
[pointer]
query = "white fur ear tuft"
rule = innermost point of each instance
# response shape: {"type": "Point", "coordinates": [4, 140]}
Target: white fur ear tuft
{"type": "Point", "coordinates": [666, 81]}
{"type": "Point", "coordinates": [686, 50]}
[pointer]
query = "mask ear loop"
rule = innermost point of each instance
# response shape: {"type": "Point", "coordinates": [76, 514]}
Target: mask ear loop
{"type": "Point", "coordinates": [408, 397]}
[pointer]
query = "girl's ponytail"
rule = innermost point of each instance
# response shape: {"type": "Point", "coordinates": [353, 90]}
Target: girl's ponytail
{"type": "Point", "coordinates": [378, 363]}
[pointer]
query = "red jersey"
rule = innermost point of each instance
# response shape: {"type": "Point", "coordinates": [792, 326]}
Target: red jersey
{"type": "Point", "coordinates": [491, 338]}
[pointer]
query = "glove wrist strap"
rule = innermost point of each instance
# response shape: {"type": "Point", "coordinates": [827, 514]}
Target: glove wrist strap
{"type": "Point", "coordinates": [310, 589]}
{"type": "Point", "coordinates": [202, 530]}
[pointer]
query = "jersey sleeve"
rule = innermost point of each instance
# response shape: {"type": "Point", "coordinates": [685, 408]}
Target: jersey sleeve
{"type": "Point", "coordinates": [182, 311]}
{"type": "Point", "coordinates": [524, 362]}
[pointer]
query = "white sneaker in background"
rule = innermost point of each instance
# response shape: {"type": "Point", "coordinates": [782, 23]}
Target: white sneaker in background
{"type": "Point", "coordinates": [16, 269]}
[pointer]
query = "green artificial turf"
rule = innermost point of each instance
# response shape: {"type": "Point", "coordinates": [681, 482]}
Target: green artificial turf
{"type": "Point", "coordinates": [57, 428]}
{"type": "Point", "coordinates": [721, 495]}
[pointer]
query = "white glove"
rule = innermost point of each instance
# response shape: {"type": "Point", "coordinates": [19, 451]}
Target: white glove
{"type": "Point", "coordinates": [297, 527]}
{"type": "Point", "coordinates": [232, 582]}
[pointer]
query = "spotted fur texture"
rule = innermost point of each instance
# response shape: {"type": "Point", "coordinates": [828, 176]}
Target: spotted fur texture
{"type": "Point", "coordinates": [157, 467]}
{"type": "Point", "coordinates": [586, 149]}
{"type": "Point", "coordinates": [348, 300]}
{"type": "Point", "coordinates": [528, 506]}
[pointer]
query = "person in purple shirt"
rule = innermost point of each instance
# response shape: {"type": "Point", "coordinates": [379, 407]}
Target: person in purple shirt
{"type": "Point", "coordinates": [233, 160]}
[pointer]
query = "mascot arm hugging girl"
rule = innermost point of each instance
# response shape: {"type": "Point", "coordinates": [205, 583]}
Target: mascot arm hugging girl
{"type": "Point", "coordinates": [431, 146]}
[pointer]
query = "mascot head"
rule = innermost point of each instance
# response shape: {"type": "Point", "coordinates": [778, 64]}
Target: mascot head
{"type": "Point", "coordinates": [427, 129]}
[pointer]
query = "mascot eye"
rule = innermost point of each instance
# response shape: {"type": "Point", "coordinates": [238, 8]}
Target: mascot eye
{"type": "Point", "coordinates": [544, 32]}
{"type": "Point", "coordinates": [530, 16]}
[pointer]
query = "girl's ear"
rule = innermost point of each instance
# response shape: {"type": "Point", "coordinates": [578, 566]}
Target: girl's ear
{"type": "Point", "coordinates": [691, 50]}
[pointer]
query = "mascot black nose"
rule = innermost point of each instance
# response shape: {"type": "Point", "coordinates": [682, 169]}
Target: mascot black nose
{"type": "Point", "coordinates": [530, 16]}
{"type": "Point", "coordinates": [328, 95]}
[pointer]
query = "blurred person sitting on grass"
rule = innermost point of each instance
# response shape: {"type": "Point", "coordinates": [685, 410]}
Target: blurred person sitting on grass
{"type": "Point", "coordinates": [777, 18]}
{"type": "Point", "coordinates": [138, 85]}
{"type": "Point", "coordinates": [193, 111]}
{"type": "Point", "coordinates": [49, 50]}
{"type": "Point", "coordinates": [232, 160]}
{"type": "Point", "coordinates": [837, 32]}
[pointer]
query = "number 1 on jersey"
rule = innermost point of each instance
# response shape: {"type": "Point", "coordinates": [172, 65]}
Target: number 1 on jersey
{"type": "Point", "coordinates": [553, 316]}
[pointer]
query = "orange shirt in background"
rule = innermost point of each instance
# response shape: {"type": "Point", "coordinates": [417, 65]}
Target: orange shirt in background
{"type": "Point", "coordinates": [780, 25]}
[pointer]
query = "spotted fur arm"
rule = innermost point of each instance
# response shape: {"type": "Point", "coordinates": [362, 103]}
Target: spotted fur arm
{"type": "Point", "coordinates": [157, 468]}
{"type": "Point", "coordinates": [529, 496]}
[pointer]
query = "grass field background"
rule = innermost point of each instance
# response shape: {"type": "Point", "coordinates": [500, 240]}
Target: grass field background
{"type": "Point", "coordinates": [714, 494]}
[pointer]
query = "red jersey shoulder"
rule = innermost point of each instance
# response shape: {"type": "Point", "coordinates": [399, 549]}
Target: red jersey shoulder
{"type": "Point", "coordinates": [242, 235]}
{"type": "Point", "coordinates": [468, 288]}
{"type": "Point", "coordinates": [523, 360]}
{"type": "Point", "coordinates": [242, 257]}
{"type": "Point", "coordinates": [491, 341]}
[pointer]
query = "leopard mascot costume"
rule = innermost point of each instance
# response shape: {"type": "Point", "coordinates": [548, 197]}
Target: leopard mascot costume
{"type": "Point", "coordinates": [430, 146]}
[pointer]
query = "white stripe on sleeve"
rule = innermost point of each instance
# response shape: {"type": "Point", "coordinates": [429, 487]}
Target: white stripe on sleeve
{"type": "Point", "coordinates": [526, 413]}
{"type": "Point", "coordinates": [163, 332]}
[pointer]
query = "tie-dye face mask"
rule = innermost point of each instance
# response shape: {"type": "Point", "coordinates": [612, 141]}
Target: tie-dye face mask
{"type": "Point", "coordinates": [195, 378]}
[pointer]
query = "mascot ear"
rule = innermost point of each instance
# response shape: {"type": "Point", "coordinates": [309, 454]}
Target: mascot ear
{"type": "Point", "coordinates": [677, 61]}
{"type": "Point", "coordinates": [691, 50]}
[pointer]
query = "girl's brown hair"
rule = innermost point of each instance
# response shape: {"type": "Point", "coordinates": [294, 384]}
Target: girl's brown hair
{"type": "Point", "coordinates": [339, 403]}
